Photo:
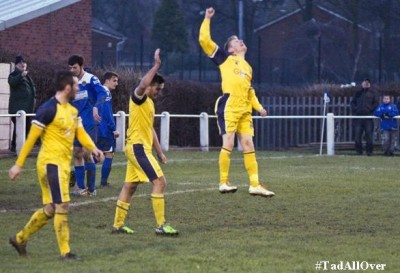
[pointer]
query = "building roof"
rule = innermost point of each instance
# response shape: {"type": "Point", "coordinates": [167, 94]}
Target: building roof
{"type": "Point", "coordinates": [283, 17]}
{"type": "Point", "coordinates": [274, 21]}
{"type": "Point", "coordinates": [100, 27]}
{"type": "Point", "coordinates": [15, 12]}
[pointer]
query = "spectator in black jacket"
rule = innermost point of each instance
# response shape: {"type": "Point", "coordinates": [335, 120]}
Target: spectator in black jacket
{"type": "Point", "coordinates": [22, 94]}
{"type": "Point", "coordinates": [364, 103]}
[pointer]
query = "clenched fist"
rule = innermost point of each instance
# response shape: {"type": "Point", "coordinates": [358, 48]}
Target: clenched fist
{"type": "Point", "coordinates": [209, 13]}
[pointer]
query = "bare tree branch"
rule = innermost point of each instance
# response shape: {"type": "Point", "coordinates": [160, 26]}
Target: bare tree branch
{"type": "Point", "coordinates": [299, 4]}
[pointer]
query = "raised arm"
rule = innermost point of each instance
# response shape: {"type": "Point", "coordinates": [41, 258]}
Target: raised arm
{"type": "Point", "coordinates": [146, 80]}
{"type": "Point", "coordinates": [14, 79]}
{"type": "Point", "coordinates": [206, 43]}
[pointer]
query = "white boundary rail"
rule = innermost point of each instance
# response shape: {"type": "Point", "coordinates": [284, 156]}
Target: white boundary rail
{"type": "Point", "coordinates": [204, 125]}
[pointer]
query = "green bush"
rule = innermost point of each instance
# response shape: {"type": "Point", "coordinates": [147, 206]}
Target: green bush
{"type": "Point", "coordinates": [188, 97]}
{"type": "Point", "coordinates": [179, 96]}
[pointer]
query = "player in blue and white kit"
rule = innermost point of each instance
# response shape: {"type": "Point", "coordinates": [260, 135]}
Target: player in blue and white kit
{"type": "Point", "coordinates": [90, 97]}
{"type": "Point", "coordinates": [107, 131]}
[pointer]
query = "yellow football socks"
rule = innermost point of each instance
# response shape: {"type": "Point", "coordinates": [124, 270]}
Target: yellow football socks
{"type": "Point", "coordinates": [62, 232]}
{"type": "Point", "coordinates": [158, 207]}
{"type": "Point", "coordinates": [120, 213]}
{"type": "Point", "coordinates": [38, 220]}
{"type": "Point", "coordinates": [224, 163]}
{"type": "Point", "coordinates": [251, 165]}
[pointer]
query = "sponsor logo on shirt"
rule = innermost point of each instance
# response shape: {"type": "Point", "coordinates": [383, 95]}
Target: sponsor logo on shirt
{"type": "Point", "coordinates": [80, 95]}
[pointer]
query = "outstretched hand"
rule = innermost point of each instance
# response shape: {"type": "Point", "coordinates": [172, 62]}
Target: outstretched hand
{"type": "Point", "coordinates": [157, 58]}
{"type": "Point", "coordinates": [209, 13]}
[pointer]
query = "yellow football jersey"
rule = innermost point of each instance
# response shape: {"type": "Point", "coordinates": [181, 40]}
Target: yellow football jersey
{"type": "Point", "coordinates": [59, 122]}
{"type": "Point", "coordinates": [236, 73]}
{"type": "Point", "coordinates": [141, 120]}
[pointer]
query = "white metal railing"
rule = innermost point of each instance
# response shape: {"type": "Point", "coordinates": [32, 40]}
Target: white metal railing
{"type": "Point", "coordinates": [204, 133]}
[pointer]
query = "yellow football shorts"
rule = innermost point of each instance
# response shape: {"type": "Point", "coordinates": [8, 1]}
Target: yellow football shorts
{"type": "Point", "coordinates": [54, 182]}
{"type": "Point", "coordinates": [141, 165]}
{"type": "Point", "coordinates": [233, 119]}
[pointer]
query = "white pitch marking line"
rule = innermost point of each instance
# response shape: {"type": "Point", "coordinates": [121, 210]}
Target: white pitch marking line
{"type": "Point", "coordinates": [103, 200]}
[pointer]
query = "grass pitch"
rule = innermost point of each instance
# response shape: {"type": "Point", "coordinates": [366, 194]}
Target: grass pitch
{"type": "Point", "coordinates": [341, 208]}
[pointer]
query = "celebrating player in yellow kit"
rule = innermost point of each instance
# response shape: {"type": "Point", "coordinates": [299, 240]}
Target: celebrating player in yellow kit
{"type": "Point", "coordinates": [142, 166]}
{"type": "Point", "coordinates": [234, 107]}
{"type": "Point", "coordinates": [57, 123]}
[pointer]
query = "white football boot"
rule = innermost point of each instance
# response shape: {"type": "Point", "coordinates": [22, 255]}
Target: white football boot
{"type": "Point", "coordinates": [261, 190]}
{"type": "Point", "coordinates": [227, 188]}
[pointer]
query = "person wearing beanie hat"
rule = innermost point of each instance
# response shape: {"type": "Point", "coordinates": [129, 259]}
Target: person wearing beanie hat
{"type": "Point", "coordinates": [19, 59]}
{"type": "Point", "coordinates": [22, 95]}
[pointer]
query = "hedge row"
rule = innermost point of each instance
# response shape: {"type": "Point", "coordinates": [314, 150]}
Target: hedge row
{"type": "Point", "coordinates": [179, 97]}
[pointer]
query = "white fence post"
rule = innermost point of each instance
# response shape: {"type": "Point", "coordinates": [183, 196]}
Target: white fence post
{"type": "Point", "coordinates": [20, 132]}
{"type": "Point", "coordinates": [121, 128]}
{"type": "Point", "coordinates": [164, 131]}
{"type": "Point", "coordinates": [204, 138]}
{"type": "Point", "coordinates": [330, 134]}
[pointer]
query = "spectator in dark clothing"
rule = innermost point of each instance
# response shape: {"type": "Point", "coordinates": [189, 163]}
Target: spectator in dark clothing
{"type": "Point", "coordinates": [22, 94]}
{"type": "Point", "coordinates": [364, 103]}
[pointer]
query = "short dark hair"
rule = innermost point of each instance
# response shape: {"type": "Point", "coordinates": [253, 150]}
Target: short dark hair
{"type": "Point", "coordinates": [227, 44]}
{"type": "Point", "coordinates": [108, 75]}
{"type": "Point", "coordinates": [76, 59]}
{"type": "Point", "coordinates": [64, 78]}
{"type": "Point", "coordinates": [367, 80]}
{"type": "Point", "coordinates": [157, 79]}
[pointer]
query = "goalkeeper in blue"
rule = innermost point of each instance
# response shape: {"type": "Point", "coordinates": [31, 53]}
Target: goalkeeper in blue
{"type": "Point", "coordinates": [107, 131]}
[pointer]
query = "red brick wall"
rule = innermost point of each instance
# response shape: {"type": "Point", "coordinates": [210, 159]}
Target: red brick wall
{"type": "Point", "coordinates": [53, 37]}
